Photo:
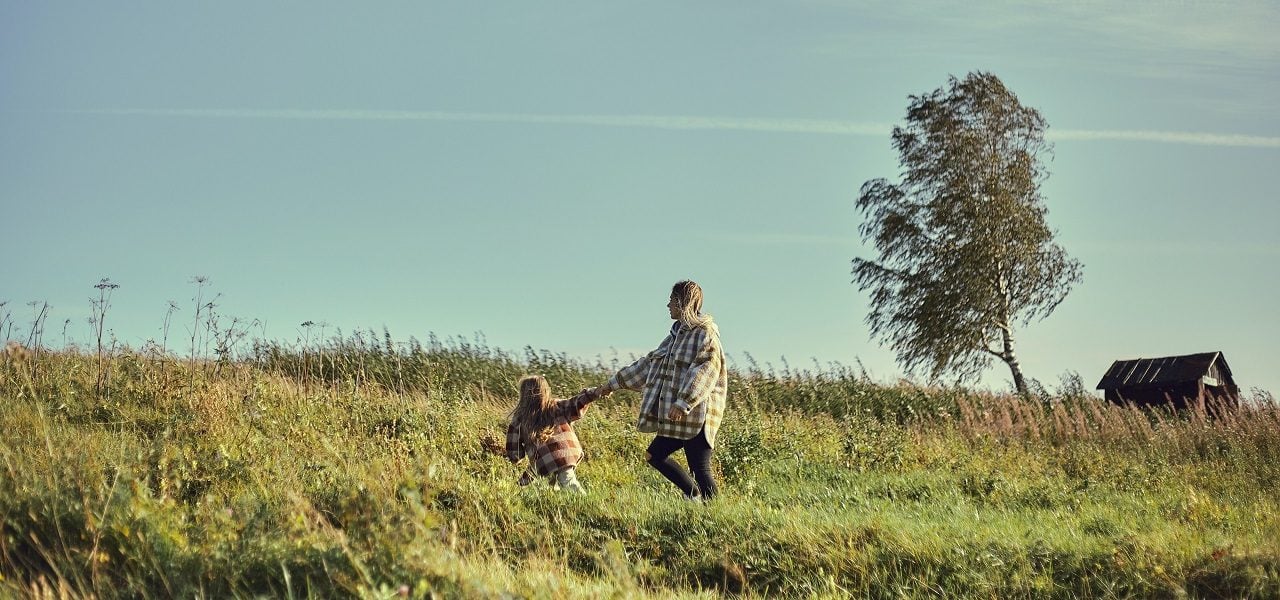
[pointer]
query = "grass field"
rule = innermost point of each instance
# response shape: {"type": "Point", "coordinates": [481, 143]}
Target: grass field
{"type": "Point", "coordinates": [360, 466]}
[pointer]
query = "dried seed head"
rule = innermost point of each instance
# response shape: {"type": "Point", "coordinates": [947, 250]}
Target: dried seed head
{"type": "Point", "coordinates": [16, 352]}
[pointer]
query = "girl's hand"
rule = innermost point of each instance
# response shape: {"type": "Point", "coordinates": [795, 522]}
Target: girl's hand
{"type": "Point", "coordinates": [675, 414]}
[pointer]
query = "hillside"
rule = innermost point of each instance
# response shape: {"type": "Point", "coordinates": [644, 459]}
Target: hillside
{"type": "Point", "coordinates": [357, 467]}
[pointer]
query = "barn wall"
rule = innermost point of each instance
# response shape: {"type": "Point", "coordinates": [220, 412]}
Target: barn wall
{"type": "Point", "coordinates": [1180, 396]}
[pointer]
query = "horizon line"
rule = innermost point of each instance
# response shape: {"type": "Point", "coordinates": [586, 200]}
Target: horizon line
{"type": "Point", "coordinates": [672, 122]}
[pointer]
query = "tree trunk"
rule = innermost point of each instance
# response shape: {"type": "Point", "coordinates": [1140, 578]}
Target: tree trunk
{"type": "Point", "coordinates": [1011, 359]}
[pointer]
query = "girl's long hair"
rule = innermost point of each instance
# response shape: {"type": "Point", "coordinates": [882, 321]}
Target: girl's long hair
{"type": "Point", "coordinates": [688, 296]}
{"type": "Point", "coordinates": [532, 414]}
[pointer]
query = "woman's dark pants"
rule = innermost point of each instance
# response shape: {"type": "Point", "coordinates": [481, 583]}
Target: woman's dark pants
{"type": "Point", "coordinates": [697, 451]}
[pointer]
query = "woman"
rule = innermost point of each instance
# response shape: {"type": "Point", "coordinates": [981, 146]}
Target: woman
{"type": "Point", "coordinates": [684, 384]}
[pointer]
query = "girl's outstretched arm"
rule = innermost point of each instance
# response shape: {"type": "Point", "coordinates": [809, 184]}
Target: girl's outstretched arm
{"type": "Point", "coordinates": [573, 408]}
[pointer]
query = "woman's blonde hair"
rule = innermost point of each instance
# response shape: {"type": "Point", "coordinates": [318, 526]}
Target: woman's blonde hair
{"type": "Point", "coordinates": [688, 295]}
{"type": "Point", "coordinates": [532, 414]}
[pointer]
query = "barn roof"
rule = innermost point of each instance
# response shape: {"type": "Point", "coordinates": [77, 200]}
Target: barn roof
{"type": "Point", "coordinates": [1162, 371]}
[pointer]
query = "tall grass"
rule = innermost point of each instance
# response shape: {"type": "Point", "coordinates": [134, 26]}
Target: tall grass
{"type": "Point", "coordinates": [361, 465]}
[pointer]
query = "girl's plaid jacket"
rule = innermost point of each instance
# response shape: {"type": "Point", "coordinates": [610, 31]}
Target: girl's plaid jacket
{"type": "Point", "coordinates": [686, 371]}
{"type": "Point", "coordinates": [561, 450]}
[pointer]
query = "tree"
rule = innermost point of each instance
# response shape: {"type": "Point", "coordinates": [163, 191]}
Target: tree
{"type": "Point", "coordinates": [965, 255]}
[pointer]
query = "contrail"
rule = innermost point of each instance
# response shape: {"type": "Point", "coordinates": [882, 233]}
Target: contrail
{"type": "Point", "coordinates": [645, 121]}
{"type": "Point", "coordinates": [1167, 137]}
{"type": "Point", "coordinates": [818, 126]}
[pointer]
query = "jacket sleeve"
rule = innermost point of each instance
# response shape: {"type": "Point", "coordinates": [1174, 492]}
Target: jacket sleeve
{"type": "Point", "coordinates": [515, 445]}
{"type": "Point", "coordinates": [704, 372]}
{"type": "Point", "coordinates": [630, 377]}
{"type": "Point", "coordinates": [572, 409]}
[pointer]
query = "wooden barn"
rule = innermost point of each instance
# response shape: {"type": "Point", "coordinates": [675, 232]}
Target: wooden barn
{"type": "Point", "coordinates": [1194, 380]}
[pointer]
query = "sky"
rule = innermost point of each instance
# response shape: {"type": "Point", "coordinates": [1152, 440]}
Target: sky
{"type": "Point", "coordinates": [539, 174]}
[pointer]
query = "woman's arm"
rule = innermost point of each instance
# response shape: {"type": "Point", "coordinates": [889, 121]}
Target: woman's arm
{"type": "Point", "coordinates": [704, 371]}
{"type": "Point", "coordinates": [630, 377]}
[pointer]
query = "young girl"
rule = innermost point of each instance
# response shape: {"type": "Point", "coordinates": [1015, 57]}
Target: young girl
{"type": "Point", "coordinates": [541, 431]}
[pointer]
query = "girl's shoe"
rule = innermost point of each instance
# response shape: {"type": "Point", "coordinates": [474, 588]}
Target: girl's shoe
{"type": "Point", "coordinates": [567, 479]}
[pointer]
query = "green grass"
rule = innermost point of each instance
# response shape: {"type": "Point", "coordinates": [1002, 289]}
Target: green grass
{"type": "Point", "coordinates": [359, 466]}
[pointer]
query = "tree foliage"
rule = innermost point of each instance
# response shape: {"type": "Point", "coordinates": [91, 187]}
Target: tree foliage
{"type": "Point", "coordinates": [965, 254]}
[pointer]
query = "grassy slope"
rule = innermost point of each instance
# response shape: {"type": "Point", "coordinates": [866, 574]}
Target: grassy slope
{"type": "Point", "coordinates": [265, 479]}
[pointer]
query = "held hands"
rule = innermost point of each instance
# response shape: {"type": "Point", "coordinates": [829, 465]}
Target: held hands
{"type": "Point", "coordinates": [596, 393]}
{"type": "Point", "coordinates": [593, 394]}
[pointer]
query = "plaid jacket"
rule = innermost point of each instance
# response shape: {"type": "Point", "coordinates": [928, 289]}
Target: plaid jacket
{"type": "Point", "coordinates": [561, 450]}
{"type": "Point", "coordinates": [687, 371]}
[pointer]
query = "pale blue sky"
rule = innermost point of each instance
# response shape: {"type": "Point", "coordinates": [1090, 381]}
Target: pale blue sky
{"type": "Point", "coordinates": [542, 173]}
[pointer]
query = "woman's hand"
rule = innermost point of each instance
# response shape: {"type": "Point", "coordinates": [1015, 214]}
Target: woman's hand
{"type": "Point", "coordinates": [675, 414]}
